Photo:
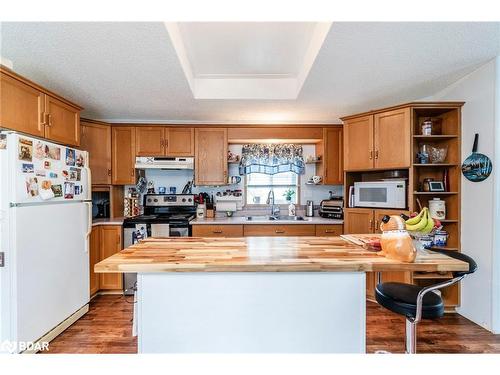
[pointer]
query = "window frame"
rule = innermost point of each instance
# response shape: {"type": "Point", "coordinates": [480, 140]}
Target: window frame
{"type": "Point", "coordinates": [263, 205]}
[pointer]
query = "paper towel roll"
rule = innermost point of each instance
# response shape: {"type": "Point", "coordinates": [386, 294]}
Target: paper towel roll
{"type": "Point", "coordinates": [226, 206]}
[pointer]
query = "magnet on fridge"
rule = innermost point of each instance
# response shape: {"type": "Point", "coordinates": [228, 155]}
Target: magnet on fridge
{"type": "Point", "coordinates": [40, 173]}
{"type": "Point", "coordinates": [39, 152]}
{"type": "Point", "coordinates": [28, 168]}
{"type": "Point", "coordinates": [3, 141]}
{"type": "Point", "coordinates": [70, 156]}
{"type": "Point", "coordinates": [25, 149]}
{"type": "Point", "coordinates": [32, 186]}
{"type": "Point", "coordinates": [57, 190]}
{"type": "Point", "coordinates": [80, 159]}
{"type": "Point", "coordinates": [46, 164]}
{"type": "Point", "coordinates": [46, 193]}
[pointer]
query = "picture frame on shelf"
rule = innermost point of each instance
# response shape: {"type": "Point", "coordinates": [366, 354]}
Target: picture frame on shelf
{"type": "Point", "coordinates": [436, 186]}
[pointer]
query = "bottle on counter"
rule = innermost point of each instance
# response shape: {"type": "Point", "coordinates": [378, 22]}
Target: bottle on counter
{"type": "Point", "coordinates": [291, 209]}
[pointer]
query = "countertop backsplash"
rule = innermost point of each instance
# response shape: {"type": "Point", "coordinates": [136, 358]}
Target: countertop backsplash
{"type": "Point", "coordinates": [178, 178]}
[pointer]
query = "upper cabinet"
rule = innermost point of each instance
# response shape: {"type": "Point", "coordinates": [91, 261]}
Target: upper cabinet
{"type": "Point", "coordinates": [358, 143]}
{"type": "Point", "coordinates": [392, 139]}
{"type": "Point", "coordinates": [96, 139]}
{"type": "Point", "coordinates": [63, 122]}
{"type": "Point", "coordinates": [333, 156]}
{"type": "Point", "coordinates": [150, 140]}
{"type": "Point", "coordinates": [210, 156]}
{"type": "Point", "coordinates": [123, 155]}
{"type": "Point", "coordinates": [164, 141]}
{"type": "Point", "coordinates": [379, 141]}
{"type": "Point", "coordinates": [28, 108]}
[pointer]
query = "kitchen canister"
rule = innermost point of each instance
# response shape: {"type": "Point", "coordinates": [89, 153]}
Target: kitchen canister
{"type": "Point", "coordinates": [437, 209]}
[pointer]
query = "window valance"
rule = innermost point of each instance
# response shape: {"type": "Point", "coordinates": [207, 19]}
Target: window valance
{"type": "Point", "coordinates": [271, 159]}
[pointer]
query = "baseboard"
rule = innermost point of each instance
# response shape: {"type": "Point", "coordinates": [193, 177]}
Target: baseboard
{"type": "Point", "coordinates": [52, 334]}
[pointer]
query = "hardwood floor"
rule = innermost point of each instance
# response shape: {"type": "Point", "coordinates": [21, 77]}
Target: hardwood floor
{"type": "Point", "coordinates": [107, 328]}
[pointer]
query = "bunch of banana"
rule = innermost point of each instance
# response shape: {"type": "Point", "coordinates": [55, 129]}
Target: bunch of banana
{"type": "Point", "coordinates": [420, 223]}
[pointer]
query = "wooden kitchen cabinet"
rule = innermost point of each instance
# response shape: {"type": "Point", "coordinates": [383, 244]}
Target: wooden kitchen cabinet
{"type": "Point", "coordinates": [94, 257]}
{"type": "Point", "coordinates": [21, 106]}
{"type": "Point", "coordinates": [380, 141]}
{"type": "Point", "coordinates": [207, 230]}
{"type": "Point", "coordinates": [63, 122]}
{"type": "Point", "coordinates": [179, 141]}
{"type": "Point", "coordinates": [358, 143]}
{"type": "Point", "coordinates": [123, 155]}
{"type": "Point", "coordinates": [111, 243]}
{"type": "Point", "coordinates": [392, 139]}
{"type": "Point", "coordinates": [96, 139]}
{"type": "Point", "coordinates": [358, 220]}
{"type": "Point", "coordinates": [29, 108]}
{"type": "Point", "coordinates": [333, 156]}
{"type": "Point", "coordinates": [328, 230]}
{"type": "Point", "coordinates": [280, 230]}
{"type": "Point", "coordinates": [149, 140]}
{"type": "Point", "coordinates": [210, 156]}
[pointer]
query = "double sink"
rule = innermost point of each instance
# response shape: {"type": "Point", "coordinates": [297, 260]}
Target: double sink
{"type": "Point", "coordinates": [274, 218]}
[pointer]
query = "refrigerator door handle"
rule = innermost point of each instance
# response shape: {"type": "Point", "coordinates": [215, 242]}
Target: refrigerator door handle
{"type": "Point", "coordinates": [89, 222]}
{"type": "Point", "coordinates": [89, 182]}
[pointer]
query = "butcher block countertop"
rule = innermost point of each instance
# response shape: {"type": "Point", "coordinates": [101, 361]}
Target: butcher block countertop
{"type": "Point", "coordinates": [262, 254]}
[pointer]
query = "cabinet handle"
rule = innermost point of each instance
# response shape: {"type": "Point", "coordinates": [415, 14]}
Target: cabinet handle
{"type": "Point", "coordinates": [376, 154]}
{"type": "Point", "coordinates": [279, 231]}
{"type": "Point", "coordinates": [329, 231]}
{"type": "Point", "coordinates": [43, 120]}
{"type": "Point", "coordinates": [118, 240]}
{"type": "Point", "coordinates": [132, 172]}
{"type": "Point", "coordinates": [161, 142]}
{"type": "Point", "coordinates": [376, 224]}
{"type": "Point", "coordinates": [371, 225]}
{"type": "Point", "coordinates": [217, 232]}
{"type": "Point", "coordinates": [109, 172]}
{"type": "Point", "coordinates": [49, 118]}
{"type": "Point", "coordinates": [371, 154]}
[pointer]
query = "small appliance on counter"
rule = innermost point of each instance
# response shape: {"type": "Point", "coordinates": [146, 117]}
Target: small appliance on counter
{"type": "Point", "coordinates": [332, 208]}
{"type": "Point", "coordinates": [310, 209]}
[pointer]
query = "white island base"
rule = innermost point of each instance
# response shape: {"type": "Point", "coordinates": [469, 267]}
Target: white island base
{"type": "Point", "coordinates": [251, 312]}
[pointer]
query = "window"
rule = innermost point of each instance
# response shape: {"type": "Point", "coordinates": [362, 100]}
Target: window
{"type": "Point", "coordinates": [258, 186]}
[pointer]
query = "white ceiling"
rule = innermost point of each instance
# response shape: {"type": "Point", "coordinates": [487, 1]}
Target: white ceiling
{"type": "Point", "coordinates": [131, 72]}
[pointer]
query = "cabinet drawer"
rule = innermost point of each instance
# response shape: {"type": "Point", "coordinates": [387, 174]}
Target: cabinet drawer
{"type": "Point", "coordinates": [217, 230]}
{"type": "Point", "coordinates": [329, 229]}
{"type": "Point", "coordinates": [279, 230]}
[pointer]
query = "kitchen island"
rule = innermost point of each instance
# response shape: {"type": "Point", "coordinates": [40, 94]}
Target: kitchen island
{"type": "Point", "coordinates": [255, 294]}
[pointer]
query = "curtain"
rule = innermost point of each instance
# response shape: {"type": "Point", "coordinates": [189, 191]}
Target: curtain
{"type": "Point", "coordinates": [271, 159]}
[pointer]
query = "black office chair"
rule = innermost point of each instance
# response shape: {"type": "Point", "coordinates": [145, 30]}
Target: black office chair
{"type": "Point", "coordinates": [415, 302]}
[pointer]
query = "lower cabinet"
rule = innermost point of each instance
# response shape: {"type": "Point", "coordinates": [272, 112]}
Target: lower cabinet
{"type": "Point", "coordinates": [367, 220]}
{"type": "Point", "coordinates": [218, 230]}
{"type": "Point", "coordinates": [327, 230]}
{"type": "Point", "coordinates": [280, 230]}
{"type": "Point", "coordinates": [105, 240]}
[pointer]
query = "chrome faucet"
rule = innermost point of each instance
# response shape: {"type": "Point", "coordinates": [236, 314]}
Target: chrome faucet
{"type": "Point", "coordinates": [275, 209]}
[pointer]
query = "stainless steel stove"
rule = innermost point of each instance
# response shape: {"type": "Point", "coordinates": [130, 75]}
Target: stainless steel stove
{"type": "Point", "coordinates": [165, 215]}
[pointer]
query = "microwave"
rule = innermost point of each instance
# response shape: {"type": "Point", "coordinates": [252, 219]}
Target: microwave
{"type": "Point", "coordinates": [380, 194]}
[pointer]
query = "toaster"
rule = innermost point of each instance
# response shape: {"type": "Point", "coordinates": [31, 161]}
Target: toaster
{"type": "Point", "coordinates": [332, 208]}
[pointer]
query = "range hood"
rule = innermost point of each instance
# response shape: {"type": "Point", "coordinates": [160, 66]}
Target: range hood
{"type": "Point", "coordinates": [161, 162]}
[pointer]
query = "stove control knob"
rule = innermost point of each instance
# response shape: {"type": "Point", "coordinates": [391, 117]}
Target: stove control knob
{"type": "Point", "coordinates": [190, 200]}
{"type": "Point", "coordinates": [149, 199]}
{"type": "Point", "coordinates": [156, 200]}
{"type": "Point", "coordinates": [183, 199]}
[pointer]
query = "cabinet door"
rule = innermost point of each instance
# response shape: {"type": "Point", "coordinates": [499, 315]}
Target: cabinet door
{"type": "Point", "coordinates": [150, 140]}
{"type": "Point", "coordinates": [123, 155]}
{"type": "Point", "coordinates": [379, 214]}
{"type": "Point", "coordinates": [211, 156]}
{"type": "Point", "coordinates": [207, 230]}
{"type": "Point", "coordinates": [96, 139]}
{"type": "Point", "coordinates": [63, 122]}
{"type": "Point", "coordinates": [358, 221]}
{"type": "Point", "coordinates": [111, 243]}
{"type": "Point", "coordinates": [94, 257]}
{"type": "Point", "coordinates": [21, 107]}
{"type": "Point", "coordinates": [329, 230]}
{"type": "Point", "coordinates": [392, 139]}
{"type": "Point", "coordinates": [179, 141]}
{"type": "Point", "coordinates": [333, 159]}
{"type": "Point", "coordinates": [358, 143]}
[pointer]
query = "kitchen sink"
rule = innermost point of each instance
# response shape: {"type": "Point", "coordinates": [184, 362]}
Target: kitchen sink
{"type": "Point", "coordinates": [275, 218]}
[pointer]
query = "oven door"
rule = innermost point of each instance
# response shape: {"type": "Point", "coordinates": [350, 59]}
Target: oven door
{"type": "Point", "coordinates": [179, 229]}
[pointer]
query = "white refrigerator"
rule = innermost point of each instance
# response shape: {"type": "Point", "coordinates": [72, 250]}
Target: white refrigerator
{"type": "Point", "coordinates": [45, 224]}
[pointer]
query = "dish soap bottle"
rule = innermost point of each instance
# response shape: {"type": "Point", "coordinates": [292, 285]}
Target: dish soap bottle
{"type": "Point", "coordinates": [291, 209]}
{"type": "Point", "coordinates": [395, 241]}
